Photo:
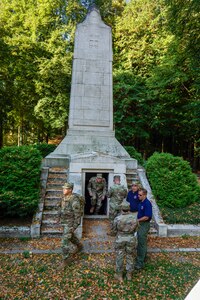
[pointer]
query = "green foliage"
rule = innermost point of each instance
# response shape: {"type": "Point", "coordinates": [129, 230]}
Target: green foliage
{"type": "Point", "coordinates": [135, 154]}
{"type": "Point", "coordinates": [45, 149]}
{"type": "Point", "coordinates": [26, 254]}
{"type": "Point", "coordinates": [172, 181]}
{"type": "Point", "coordinates": [19, 180]}
{"type": "Point", "coordinates": [129, 105]}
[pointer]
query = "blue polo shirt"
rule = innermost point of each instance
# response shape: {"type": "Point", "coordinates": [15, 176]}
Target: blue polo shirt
{"type": "Point", "coordinates": [145, 209]}
{"type": "Point", "coordinates": [133, 199]}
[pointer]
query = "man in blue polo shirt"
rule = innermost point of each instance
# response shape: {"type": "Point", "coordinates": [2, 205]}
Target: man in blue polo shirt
{"type": "Point", "coordinates": [133, 198]}
{"type": "Point", "coordinates": [144, 217]}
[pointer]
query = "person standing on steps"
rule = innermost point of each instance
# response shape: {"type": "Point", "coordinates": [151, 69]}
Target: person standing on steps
{"type": "Point", "coordinates": [72, 206]}
{"type": "Point", "coordinates": [116, 193]}
{"type": "Point", "coordinates": [125, 226]}
{"type": "Point", "coordinates": [133, 198]}
{"type": "Point", "coordinates": [97, 189]}
{"type": "Point", "coordinates": [144, 217]}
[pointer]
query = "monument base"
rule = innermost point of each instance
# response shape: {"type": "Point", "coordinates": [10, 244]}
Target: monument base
{"type": "Point", "coordinates": [84, 142]}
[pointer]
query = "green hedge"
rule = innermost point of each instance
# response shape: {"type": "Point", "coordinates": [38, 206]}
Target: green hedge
{"type": "Point", "coordinates": [172, 181]}
{"type": "Point", "coordinates": [45, 149]}
{"type": "Point", "coordinates": [134, 154]}
{"type": "Point", "coordinates": [19, 180]}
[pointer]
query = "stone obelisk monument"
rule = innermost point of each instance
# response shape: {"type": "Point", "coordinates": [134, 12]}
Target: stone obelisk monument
{"type": "Point", "coordinates": [90, 142]}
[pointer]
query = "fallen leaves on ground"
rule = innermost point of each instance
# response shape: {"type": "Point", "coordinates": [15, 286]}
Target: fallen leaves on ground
{"type": "Point", "coordinates": [91, 276]}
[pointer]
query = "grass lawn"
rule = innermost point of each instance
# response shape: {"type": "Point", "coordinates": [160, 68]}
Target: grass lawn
{"type": "Point", "coordinates": [90, 276]}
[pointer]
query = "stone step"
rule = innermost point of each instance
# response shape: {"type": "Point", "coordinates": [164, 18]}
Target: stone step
{"type": "Point", "coordinates": [57, 176]}
{"type": "Point", "coordinates": [50, 221]}
{"type": "Point", "coordinates": [131, 171]}
{"type": "Point", "coordinates": [56, 189]}
{"type": "Point", "coordinates": [56, 182]}
{"type": "Point", "coordinates": [51, 204]}
{"type": "Point", "coordinates": [54, 193]}
{"type": "Point", "coordinates": [52, 230]}
{"type": "Point", "coordinates": [53, 198]}
{"type": "Point", "coordinates": [50, 213]}
{"type": "Point", "coordinates": [57, 170]}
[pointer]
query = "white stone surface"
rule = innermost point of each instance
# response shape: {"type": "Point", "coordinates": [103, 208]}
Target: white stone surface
{"type": "Point", "coordinates": [183, 229]}
{"type": "Point", "coordinates": [91, 100]}
{"type": "Point", "coordinates": [92, 74]}
{"type": "Point", "coordinates": [194, 294]}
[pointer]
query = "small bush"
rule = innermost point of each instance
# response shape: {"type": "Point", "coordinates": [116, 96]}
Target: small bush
{"type": "Point", "coordinates": [172, 181]}
{"type": "Point", "coordinates": [19, 180]}
{"type": "Point", "coordinates": [134, 154]}
{"type": "Point", "coordinates": [45, 149]}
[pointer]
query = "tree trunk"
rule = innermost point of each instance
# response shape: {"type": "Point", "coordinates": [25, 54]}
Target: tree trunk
{"type": "Point", "coordinates": [1, 133]}
{"type": "Point", "coordinates": [19, 136]}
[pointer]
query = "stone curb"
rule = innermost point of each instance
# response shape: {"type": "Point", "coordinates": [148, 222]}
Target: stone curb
{"type": "Point", "coordinates": [59, 251]}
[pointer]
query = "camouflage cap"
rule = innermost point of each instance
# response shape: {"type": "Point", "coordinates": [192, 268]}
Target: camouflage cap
{"type": "Point", "coordinates": [125, 205]}
{"type": "Point", "coordinates": [99, 175]}
{"type": "Point", "coordinates": [137, 183]}
{"type": "Point", "coordinates": [116, 177]}
{"type": "Point", "coordinates": [68, 185]}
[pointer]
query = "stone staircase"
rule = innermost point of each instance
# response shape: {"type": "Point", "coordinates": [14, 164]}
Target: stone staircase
{"type": "Point", "coordinates": [50, 218]}
{"type": "Point", "coordinates": [131, 176]}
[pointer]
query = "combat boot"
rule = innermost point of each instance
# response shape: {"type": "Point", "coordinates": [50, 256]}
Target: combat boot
{"type": "Point", "coordinates": [92, 209]}
{"type": "Point", "coordinates": [129, 276]}
{"type": "Point", "coordinates": [80, 246]}
{"type": "Point", "coordinates": [119, 277]}
{"type": "Point", "coordinates": [111, 233]}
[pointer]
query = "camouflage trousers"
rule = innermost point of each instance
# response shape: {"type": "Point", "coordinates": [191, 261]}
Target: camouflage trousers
{"type": "Point", "coordinates": [114, 211]}
{"type": "Point", "coordinates": [97, 201]}
{"type": "Point", "coordinates": [70, 243]}
{"type": "Point", "coordinates": [125, 248]}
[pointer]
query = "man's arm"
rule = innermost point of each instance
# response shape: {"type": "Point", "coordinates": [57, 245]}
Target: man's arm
{"type": "Point", "coordinates": [77, 213]}
{"type": "Point", "coordinates": [89, 187]}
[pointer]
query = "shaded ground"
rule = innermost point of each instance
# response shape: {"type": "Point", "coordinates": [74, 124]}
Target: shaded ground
{"type": "Point", "coordinates": [11, 221]}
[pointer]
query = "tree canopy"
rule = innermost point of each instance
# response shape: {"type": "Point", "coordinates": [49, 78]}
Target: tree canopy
{"type": "Point", "coordinates": [155, 68]}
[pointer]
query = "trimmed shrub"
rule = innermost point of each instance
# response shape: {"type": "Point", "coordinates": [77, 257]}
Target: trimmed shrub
{"type": "Point", "coordinates": [172, 181]}
{"type": "Point", "coordinates": [19, 180]}
{"type": "Point", "coordinates": [45, 149]}
{"type": "Point", "coordinates": [134, 154]}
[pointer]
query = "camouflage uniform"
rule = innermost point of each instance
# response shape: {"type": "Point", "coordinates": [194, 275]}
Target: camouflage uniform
{"type": "Point", "coordinates": [71, 213]}
{"type": "Point", "coordinates": [125, 225]}
{"type": "Point", "coordinates": [116, 194]}
{"type": "Point", "coordinates": [97, 191]}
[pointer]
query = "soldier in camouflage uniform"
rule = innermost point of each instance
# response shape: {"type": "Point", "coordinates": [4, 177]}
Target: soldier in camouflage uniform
{"type": "Point", "coordinates": [125, 225]}
{"type": "Point", "coordinates": [97, 191]}
{"type": "Point", "coordinates": [116, 194]}
{"type": "Point", "coordinates": [71, 212]}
